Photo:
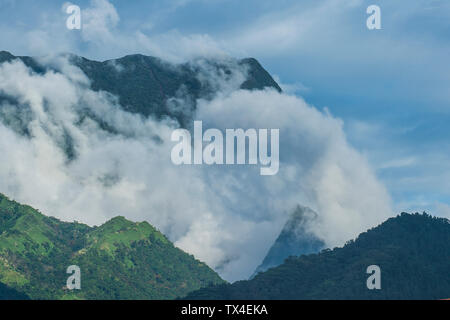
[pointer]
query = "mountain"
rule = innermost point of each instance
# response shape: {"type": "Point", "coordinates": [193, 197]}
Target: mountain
{"type": "Point", "coordinates": [7, 293]}
{"type": "Point", "coordinates": [150, 86]}
{"type": "Point", "coordinates": [118, 260]}
{"type": "Point", "coordinates": [412, 251]}
{"type": "Point", "coordinates": [294, 240]}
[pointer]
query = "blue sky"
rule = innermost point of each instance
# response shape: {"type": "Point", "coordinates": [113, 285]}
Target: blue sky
{"type": "Point", "coordinates": [390, 86]}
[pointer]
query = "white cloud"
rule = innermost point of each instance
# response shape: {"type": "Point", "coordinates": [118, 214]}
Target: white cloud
{"type": "Point", "coordinates": [227, 216]}
{"type": "Point", "coordinates": [318, 168]}
{"type": "Point", "coordinates": [99, 22]}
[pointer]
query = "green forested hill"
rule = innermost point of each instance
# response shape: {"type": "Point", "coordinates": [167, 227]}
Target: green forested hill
{"type": "Point", "coordinates": [412, 251]}
{"type": "Point", "coordinates": [118, 260]}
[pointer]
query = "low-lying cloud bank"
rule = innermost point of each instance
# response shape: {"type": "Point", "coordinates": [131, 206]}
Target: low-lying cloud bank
{"type": "Point", "coordinates": [227, 216]}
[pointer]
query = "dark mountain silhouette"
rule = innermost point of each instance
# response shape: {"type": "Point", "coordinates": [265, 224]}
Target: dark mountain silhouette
{"type": "Point", "coordinates": [7, 293]}
{"type": "Point", "coordinates": [294, 240]}
{"type": "Point", "coordinates": [412, 251]}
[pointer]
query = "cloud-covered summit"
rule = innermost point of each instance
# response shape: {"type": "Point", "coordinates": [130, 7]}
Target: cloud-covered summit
{"type": "Point", "coordinates": [119, 163]}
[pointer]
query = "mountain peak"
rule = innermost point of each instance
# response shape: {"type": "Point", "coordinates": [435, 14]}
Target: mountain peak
{"type": "Point", "coordinates": [119, 221]}
{"type": "Point", "coordinates": [295, 239]}
{"type": "Point", "coordinates": [411, 250]}
{"type": "Point", "coordinates": [120, 231]}
{"type": "Point", "coordinates": [120, 259]}
{"type": "Point", "coordinates": [5, 55]}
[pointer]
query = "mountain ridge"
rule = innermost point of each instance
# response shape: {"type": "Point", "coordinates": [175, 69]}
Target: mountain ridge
{"type": "Point", "coordinates": [295, 239]}
{"type": "Point", "coordinates": [118, 260]}
{"type": "Point", "coordinates": [411, 250]}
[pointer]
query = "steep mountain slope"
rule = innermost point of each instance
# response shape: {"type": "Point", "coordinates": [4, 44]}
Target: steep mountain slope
{"type": "Point", "coordinates": [150, 86]}
{"type": "Point", "coordinates": [7, 293]}
{"type": "Point", "coordinates": [411, 250]}
{"type": "Point", "coordinates": [118, 260]}
{"type": "Point", "coordinates": [294, 240]}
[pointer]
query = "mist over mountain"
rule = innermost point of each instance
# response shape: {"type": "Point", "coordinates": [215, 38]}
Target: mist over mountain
{"type": "Point", "coordinates": [89, 141]}
{"type": "Point", "coordinates": [295, 239]}
{"type": "Point", "coordinates": [411, 250]}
